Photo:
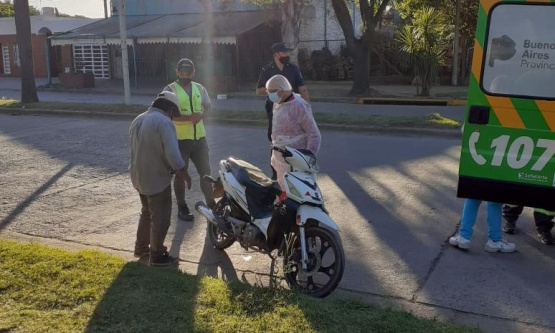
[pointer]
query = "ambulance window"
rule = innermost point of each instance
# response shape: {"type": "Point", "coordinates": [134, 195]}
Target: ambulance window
{"type": "Point", "coordinates": [520, 51]}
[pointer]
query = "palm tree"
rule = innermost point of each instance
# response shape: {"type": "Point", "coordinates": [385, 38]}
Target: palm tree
{"type": "Point", "coordinates": [423, 44]}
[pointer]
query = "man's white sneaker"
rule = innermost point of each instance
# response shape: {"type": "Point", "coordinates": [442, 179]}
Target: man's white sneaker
{"type": "Point", "coordinates": [501, 246]}
{"type": "Point", "coordinates": [460, 242]}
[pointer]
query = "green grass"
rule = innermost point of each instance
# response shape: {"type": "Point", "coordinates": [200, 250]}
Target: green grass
{"type": "Point", "coordinates": [427, 121]}
{"type": "Point", "coordinates": [44, 289]}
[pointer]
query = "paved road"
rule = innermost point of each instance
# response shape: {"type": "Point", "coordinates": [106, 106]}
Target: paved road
{"type": "Point", "coordinates": [249, 104]}
{"type": "Point", "coordinates": [393, 197]}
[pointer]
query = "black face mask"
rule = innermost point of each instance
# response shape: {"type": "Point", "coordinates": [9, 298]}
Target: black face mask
{"type": "Point", "coordinates": [184, 81]}
{"type": "Point", "coordinates": [284, 60]}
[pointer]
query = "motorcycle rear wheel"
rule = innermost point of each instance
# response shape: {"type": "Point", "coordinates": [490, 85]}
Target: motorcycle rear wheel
{"type": "Point", "coordinates": [217, 237]}
{"type": "Point", "coordinates": [320, 278]}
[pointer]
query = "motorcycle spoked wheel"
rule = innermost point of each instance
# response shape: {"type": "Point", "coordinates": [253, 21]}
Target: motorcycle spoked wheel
{"type": "Point", "coordinates": [326, 263]}
{"type": "Point", "coordinates": [218, 238]}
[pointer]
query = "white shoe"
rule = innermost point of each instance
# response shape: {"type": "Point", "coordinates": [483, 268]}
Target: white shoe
{"type": "Point", "coordinates": [501, 246]}
{"type": "Point", "coordinates": [460, 242]}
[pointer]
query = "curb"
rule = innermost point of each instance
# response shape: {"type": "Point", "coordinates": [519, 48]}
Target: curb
{"type": "Point", "coordinates": [314, 98]}
{"type": "Point", "coordinates": [412, 101]}
{"type": "Point", "coordinates": [403, 131]}
{"type": "Point", "coordinates": [320, 99]}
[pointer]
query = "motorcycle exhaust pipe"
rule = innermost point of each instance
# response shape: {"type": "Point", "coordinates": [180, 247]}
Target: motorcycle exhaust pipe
{"type": "Point", "coordinates": [203, 210]}
{"type": "Point", "coordinates": [209, 215]}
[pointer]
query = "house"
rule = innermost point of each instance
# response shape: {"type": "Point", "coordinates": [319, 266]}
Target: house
{"type": "Point", "coordinates": [228, 40]}
{"type": "Point", "coordinates": [228, 43]}
{"type": "Point", "coordinates": [42, 26]}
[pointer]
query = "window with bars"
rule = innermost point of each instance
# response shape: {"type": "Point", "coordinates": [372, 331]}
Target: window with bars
{"type": "Point", "coordinates": [6, 59]}
{"type": "Point", "coordinates": [16, 60]}
{"type": "Point", "coordinates": [92, 59]}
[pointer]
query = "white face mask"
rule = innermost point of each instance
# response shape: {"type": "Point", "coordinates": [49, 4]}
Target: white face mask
{"type": "Point", "coordinates": [274, 97]}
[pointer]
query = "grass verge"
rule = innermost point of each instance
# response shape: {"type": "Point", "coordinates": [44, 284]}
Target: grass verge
{"type": "Point", "coordinates": [44, 289]}
{"type": "Point", "coordinates": [426, 121]}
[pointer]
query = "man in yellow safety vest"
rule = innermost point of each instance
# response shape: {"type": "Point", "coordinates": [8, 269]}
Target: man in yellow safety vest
{"type": "Point", "coordinates": [194, 102]}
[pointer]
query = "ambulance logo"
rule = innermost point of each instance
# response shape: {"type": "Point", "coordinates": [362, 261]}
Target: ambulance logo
{"type": "Point", "coordinates": [502, 48]}
{"type": "Point", "coordinates": [532, 177]}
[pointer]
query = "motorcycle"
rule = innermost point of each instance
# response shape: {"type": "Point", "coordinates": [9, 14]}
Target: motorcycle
{"type": "Point", "coordinates": [297, 225]}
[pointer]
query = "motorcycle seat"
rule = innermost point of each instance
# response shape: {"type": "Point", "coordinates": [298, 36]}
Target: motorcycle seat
{"type": "Point", "coordinates": [245, 173]}
{"type": "Point", "coordinates": [260, 190]}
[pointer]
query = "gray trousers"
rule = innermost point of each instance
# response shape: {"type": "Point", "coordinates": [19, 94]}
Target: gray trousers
{"type": "Point", "coordinates": [197, 152]}
{"type": "Point", "coordinates": [154, 222]}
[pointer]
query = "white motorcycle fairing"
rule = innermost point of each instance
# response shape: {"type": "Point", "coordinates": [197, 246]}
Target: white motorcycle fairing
{"type": "Point", "coordinates": [306, 212]}
{"type": "Point", "coordinates": [263, 224]}
{"type": "Point", "coordinates": [297, 182]}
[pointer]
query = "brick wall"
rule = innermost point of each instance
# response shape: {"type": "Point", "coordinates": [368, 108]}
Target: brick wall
{"type": "Point", "coordinates": [66, 58]}
{"type": "Point", "coordinates": [39, 55]}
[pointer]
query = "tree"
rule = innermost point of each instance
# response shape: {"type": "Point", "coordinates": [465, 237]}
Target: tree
{"type": "Point", "coordinates": [423, 43]}
{"type": "Point", "coordinates": [7, 9]}
{"type": "Point", "coordinates": [291, 11]}
{"type": "Point", "coordinates": [72, 16]}
{"type": "Point", "coordinates": [23, 29]}
{"type": "Point", "coordinates": [372, 12]}
{"type": "Point", "coordinates": [446, 9]}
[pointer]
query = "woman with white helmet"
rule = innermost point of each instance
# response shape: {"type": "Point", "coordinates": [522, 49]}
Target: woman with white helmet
{"type": "Point", "coordinates": [293, 124]}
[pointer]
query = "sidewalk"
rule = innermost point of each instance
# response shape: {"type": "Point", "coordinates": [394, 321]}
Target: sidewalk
{"type": "Point", "coordinates": [318, 90]}
{"type": "Point", "coordinates": [112, 92]}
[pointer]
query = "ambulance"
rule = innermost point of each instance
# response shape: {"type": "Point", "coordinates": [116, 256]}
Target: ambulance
{"type": "Point", "coordinates": [508, 148]}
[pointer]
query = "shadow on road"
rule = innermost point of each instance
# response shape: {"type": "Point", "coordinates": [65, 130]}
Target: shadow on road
{"type": "Point", "coordinates": [24, 204]}
{"type": "Point", "coordinates": [215, 263]}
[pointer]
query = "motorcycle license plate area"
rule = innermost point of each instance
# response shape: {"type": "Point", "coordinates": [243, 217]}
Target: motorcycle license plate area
{"type": "Point", "coordinates": [508, 148]}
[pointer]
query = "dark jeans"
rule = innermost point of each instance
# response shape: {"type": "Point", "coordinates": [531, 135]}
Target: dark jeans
{"type": "Point", "coordinates": [270, 115]}
{"type": "Point", "coordinates": [543, 222]}
{"type": "Point", "coordinates": [154, 222]}
{"type": "Point", "coordinates": [197, 152]}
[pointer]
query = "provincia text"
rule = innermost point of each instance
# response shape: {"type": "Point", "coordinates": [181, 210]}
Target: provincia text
{"type": "Point", "coordinates": [535, 55]}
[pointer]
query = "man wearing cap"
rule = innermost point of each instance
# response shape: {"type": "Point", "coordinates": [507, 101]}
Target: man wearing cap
{"type": "Point", "coordinates": [194, 102]}
{"type": "Point", "coordinates": [280, 66]}
{"type": "Point", "coordinates": [155, 157]}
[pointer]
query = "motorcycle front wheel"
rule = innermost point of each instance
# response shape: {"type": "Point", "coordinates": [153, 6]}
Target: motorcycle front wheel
{"type": "Point", "coordinates": [326, 262]}
{"type": "Point", "coordinates": [217, 237]}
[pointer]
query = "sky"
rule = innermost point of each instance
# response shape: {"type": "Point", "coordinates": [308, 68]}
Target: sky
{"type": "Point", "coordinates": [89, 8]}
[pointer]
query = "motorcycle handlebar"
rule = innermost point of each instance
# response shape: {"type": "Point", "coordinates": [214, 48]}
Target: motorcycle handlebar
{"type": "Point", "coordinates": [284, 152]}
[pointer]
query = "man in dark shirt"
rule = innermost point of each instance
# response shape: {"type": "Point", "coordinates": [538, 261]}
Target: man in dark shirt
{"type": "Point", "coordinates": [280, 65]}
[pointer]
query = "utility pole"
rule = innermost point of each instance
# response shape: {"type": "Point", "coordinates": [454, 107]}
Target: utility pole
{"type": "Point", "coordinates": [105, 9]}
{"type": "Point", "coordinates": [124, 55]}
{"type": "Point", "coordinates": [455, 72]}
{"type": "Point", "coordinates": [326, 23]}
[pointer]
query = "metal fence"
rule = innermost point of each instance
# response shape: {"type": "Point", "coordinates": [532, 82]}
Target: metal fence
{"type": "Point", "coordinates": [330, 60]}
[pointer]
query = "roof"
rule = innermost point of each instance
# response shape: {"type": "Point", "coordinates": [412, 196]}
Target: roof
{"type": "Point", "coordinates": [54, 24]}
{"type": "Point", "coordinates": [175, 28]}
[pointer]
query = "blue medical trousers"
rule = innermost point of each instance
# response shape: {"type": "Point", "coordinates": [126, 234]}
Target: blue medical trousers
{"type": "Point", "coordinates": [470, 211]}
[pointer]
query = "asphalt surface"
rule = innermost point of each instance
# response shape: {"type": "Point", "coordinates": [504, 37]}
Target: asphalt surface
{"type": "Point", "coordinates": [65, 179]}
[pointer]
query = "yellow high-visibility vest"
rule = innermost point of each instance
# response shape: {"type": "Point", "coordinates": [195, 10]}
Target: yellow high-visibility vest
{"type": "Point", "coordinates": [186, 130]}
